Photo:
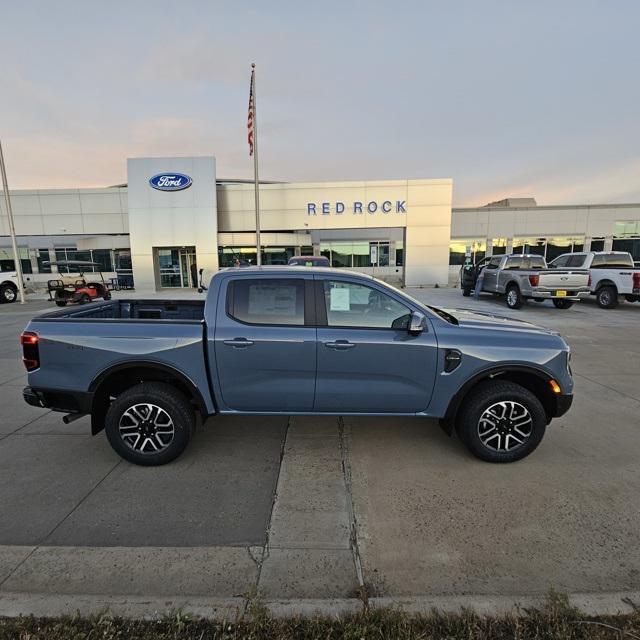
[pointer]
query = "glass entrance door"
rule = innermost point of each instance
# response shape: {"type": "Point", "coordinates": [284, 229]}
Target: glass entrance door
{"type": "Point", "coordinates": [176, 266]}
{"type": "Point", "coordinates": [188, 268]}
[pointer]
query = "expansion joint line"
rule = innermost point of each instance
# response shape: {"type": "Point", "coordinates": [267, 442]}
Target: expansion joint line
{"type": "Point", "coordinates": [353, 537]}
{"type": "Point", "coordinates": [259, 558]}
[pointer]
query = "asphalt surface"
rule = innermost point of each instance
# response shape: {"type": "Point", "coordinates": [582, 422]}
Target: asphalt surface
{"type": "Point", "coordinates": [311, 508]}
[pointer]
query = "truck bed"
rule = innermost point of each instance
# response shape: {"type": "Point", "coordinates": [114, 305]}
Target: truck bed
{"type": "Point", "coordinates": [132, 310]}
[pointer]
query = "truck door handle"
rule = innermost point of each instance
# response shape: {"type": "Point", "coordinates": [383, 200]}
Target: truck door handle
{"type": "Point", "coordinates": [238, 343]}
{"type": "Point", "coordinates": [340, 345]}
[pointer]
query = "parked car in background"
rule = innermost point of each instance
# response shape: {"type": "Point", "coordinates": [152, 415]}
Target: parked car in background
{"type": "Point", "coordinates": [309, 261]}
{"type": "Point", "coordinates": [525, 277]}
{"type": "Point", "coordinates": [613, 275]}
{"type": "Point", "coordinates": [8, 286]}
{"type": "Point", "coordinates": [287, 341]}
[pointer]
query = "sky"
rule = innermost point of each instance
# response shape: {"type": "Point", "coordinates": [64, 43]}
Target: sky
{"type": "Point", "coordinates": [509, 98]}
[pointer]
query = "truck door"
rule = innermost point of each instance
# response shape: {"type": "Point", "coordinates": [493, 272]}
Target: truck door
{"type": "Point", "coordinates": [265, 344]}
{"type": "Point", "coordinates": [491, 274]}
{"type": "Point", "coordinates": [367, 360]}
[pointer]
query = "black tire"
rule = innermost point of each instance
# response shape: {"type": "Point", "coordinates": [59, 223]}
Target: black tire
{"type": "Point", "coordinates": [607, 297]}
{"type": "Point", "coordinates": [61, 303]}
{"type": "Point", "coordinates": [513, 297]}
{"type": "Point", "coordinates": [519, 402]}
{"type": "Point", "coordinates": [106, 296]}
{"type": "Point", "coordinates": [630, 298]}
{"type": "Point", "coordinates": [560, 303]}
{"type": "Point", "coordinates": [170, 401]}
{"type": "Point", "coordinates": [8, 293]}
{"type": "Point", "coordinates": [466, 292]}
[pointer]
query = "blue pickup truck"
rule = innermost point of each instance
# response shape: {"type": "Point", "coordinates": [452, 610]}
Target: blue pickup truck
{"type": "Point", "coordinates": [291, 341]}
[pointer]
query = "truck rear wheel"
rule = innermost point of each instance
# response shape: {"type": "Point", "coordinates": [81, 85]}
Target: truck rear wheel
{"type": "Point", "coordinates": [561, 303]}
{"type": "Point", "coordinates": [514, 297]}
{"type": "Point", "coordinates": [607, 297]}
{"type": "Point", "coordinates": [150, 424]}
{"type": "Point", "coordinates": [500, 421]}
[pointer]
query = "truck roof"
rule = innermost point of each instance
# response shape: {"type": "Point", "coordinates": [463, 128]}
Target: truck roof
{"type": "Point", "coordinates": [276, 269]}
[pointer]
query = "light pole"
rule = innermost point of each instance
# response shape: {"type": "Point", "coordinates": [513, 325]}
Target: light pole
{"type": "Point", "coordinates": [12, 229]}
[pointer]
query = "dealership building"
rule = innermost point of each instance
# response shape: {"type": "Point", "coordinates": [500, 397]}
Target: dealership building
{"type": "Point", "coordinates": [175, 216]}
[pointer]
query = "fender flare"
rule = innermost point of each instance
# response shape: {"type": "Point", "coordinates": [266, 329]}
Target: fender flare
{"type": "Point", "coordinates": [97, 421]}
{"type": "Point", "coordinates": [448, 422]}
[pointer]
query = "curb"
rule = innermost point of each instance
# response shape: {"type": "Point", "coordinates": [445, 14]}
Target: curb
{"type": "Point", "coordinates": [154, 607]}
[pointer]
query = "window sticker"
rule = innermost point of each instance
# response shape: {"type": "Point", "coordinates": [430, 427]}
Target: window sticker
{"type": "Point", "coordinates": [339, 299]}
{"type": "Point", "coordinates": [269, 300]}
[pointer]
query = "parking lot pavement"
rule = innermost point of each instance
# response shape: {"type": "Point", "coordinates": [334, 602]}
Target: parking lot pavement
{"type": "Point", "coordinates": [281, 506]}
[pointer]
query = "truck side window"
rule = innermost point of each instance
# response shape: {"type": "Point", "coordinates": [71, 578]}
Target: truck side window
{"type": "Point", "coordinates": [560, 263]}
{"type": "Point", "coordinates": [575, 261]}
{"type": "Point", "coordinates": [359, 306]}
{"type": "Point", "coordinates": [494, 263]}
{"type": "Point", "coordinates": [269, 301]}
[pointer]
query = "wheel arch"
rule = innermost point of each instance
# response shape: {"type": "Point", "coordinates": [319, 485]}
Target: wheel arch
{"type": "Point", "coordinates": [122, 376]}
{"type": "Point", "coordinates": [532, 378]}
{"type": "Point", "coordinates": [606, 282]}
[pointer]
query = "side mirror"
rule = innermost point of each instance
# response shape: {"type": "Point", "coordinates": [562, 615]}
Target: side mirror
{"type": "Point", "coordinates": [417, 323]}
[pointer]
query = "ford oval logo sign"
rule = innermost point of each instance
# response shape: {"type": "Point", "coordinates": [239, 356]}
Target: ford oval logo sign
{"type": "Point", "coordinates": [170, 181]}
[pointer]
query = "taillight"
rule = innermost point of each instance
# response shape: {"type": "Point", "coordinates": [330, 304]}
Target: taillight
{"type": "Point", "coordinates": [534, 280]}
{"type": "Point", "coordinates": [636, 280]}
{"type": "Point", "coordinates": [30, 351]}
{"type": "Point", "coordinates": [589, 282]}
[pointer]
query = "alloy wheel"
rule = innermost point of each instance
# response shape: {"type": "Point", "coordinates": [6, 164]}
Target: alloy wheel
{"type": "Point", "coordinates": [505, 426]}
{"type": "Point", "coordinates": [512, 297]}
{"type": "Point", "coordinates": [146, 428]}
{"type": "Point", "coordinates": [9, 294]}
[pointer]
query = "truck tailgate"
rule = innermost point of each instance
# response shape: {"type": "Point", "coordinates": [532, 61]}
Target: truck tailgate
{"type": "Point", "coordinates": [565, 280]}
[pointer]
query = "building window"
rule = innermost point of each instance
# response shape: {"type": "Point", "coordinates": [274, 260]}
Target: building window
{"type": "Point", "coordinates": [558, 246]}
{"type": "Point", "coordinates": [245, 256]}
{"type": "Point", "coordinates": [597, 244]}
{"type": "Point", "coordinates": [499, 246]}
{"type": "Point", "coordinates": [626, 237]}
{"type": "Point", "coordinates": [460, 248]}
{"type": "Point", "coordinates": [43, 256]}
{"type": "Point", "coordinates": [356, 254]}
{"type": "Point", "coordinates": [535, 246]}
{"type": "Point", "coordinates": [631, 245]}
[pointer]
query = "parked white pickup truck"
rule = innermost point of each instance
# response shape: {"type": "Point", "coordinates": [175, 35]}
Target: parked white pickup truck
{"type": "Point", "coordinates": [612, 274]}
{"type": "Point", "coordinates": [8, 286]}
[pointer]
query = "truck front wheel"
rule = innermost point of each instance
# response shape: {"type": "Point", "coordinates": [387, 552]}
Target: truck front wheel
{"type": "Point", "coordinates": [501, 421]}
{"type": "Point", "coordinates": [8, 293]}
{"type": "Point", "coordinates": [150, 424]}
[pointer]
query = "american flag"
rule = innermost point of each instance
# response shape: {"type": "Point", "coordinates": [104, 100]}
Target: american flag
{"type": "Point", "coordinates": [251, 115]}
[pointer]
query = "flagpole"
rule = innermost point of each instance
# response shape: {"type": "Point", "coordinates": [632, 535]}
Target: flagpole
{"type": "Point", "coordinates": [255, 166]}
{"type": "Point", "coordinates": [12, 230]}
